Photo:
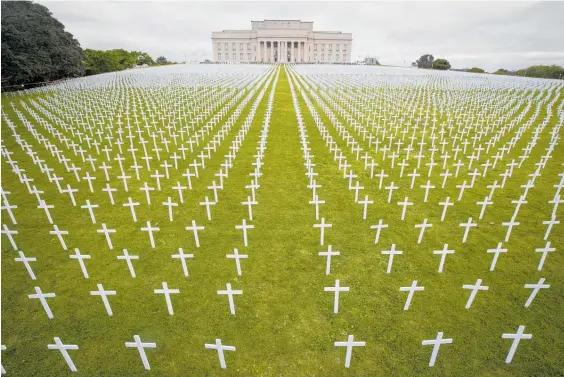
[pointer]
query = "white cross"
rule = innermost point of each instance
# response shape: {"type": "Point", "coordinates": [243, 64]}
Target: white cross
{"type": "Point", "coordinates": [46, 207]}
{"type": "Point", "coordinates": [391, 253]}
{"type": "Point", "coordinates": [165, 291]}
{"type": "Point", "coordinates": [106, 233]}
{"type": "Point", "coordinates": [3, 348]}
{"type": "Point", "coordinates": [59, 234]}
{"type": "Point", "coordinates": [141, 348]}
{"type": "Point", "coordinates": [41, 296]}
{"type": "Point", "coordinates": [207, 203]}
{"type": "Point", "coordinates": [179, 189]}
{"type": "Point", "coordinates": [90, 208]}
{"type": "Point", "coordinates": [445, 205]}
{"type": "Point", "coordinates": [316, 202]}
{"type": "Point", "coordinates": [443, 253]}
{"type": "Point", "coordinates": [147, 189]}
{"type": "Point", "coordinates": [467, 227]}
{"type": "Point", "coordinates": [128, 259]}
{"type": "Point", "coordinates": [378, 228]}
{"type": "Point", "coordinates": [391, 188]}
{"type": "Point", "coordinates": [80, 258]}
{"type": "Point", "coordinates": [422, 226]}
{"type": "Point", "coordinates": [250, 204]}
{"type": "Point", "coordinates": [426, 187]}
{"type": "Point", "coordinates": [510, 225]}
{"type": "Point", "coordinates": [220, 348]}
{"type": "Point", "coordinates": [336, 289]}
{"type": "Point", "coordinates": [230, 293]}
{"type": "Point", "coordinates": [150, 229]}
{"type": "Point", "coordinates": [350, 343]}
{"type": "Point", "coordinates": [544, 250]}
{"type": "Point", "coordinates": [536, 288]}
{"type": "Point", "coordinates": [237, 258]}
{"type": "Point", "coordinates": [484, 204]}
{"type": "Point", "coordinates": [365, 202]}
{"type": "Point", "coordinates": [412, 289]}
{"type": "Point", "coordinates": [63, 349]}
{"type": "Point", "coordinates": [404, 204]}
{"type": "Point", "coordinates": [244, 227]}
{"type": "Point", "coordinates": [195, 229]}
{"type": "Point", "coordinates": [322, 226]}
{"type": "Point", "coordinates": [496, 252]}
{"type": "Point", "coordinates": [550, 223]}
{"type": "Point", "coordinates": [329, 253]}
{"type": "Point", "coordinates": [516, 339]}
{"type": "Point", "coordinates": [436, 343]}
{"type": "Point", "coordinates": [102, 293]}
{"type": "Point", "coordinates": [475, 288]}
{"type": "Point", "coordinates": [182, 258]}
{"type": "Point", "coordinates": [131, 204]}
{"type": "Point", "coordinates": [26, 261]}
{"type": "Point", "coordinates": [170, 204]}
{"type": "Point", "coordinates": [109, 190]}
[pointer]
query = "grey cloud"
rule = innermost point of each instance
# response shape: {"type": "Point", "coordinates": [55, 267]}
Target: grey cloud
{"type": "Point", "coordinates": [486, 34]}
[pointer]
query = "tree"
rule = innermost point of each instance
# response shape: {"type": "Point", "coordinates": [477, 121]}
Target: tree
{"type": "Point", "coordinates": [502, 71]}
{"type": "Point", "coordinates": [476, 70]}
{"type": "Point", "coordinates": [100, 61]}
{"type": "Point", "coordinates": [425, 61]}
{"type": "Point", "coordinates": [162, 60]}
{"type": "Point", "coordinates": [35, 45]}
{"type": "Point", "coordinates": [441, 64]}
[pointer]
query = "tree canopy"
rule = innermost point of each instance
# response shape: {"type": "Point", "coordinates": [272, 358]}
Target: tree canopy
{"type": "Point", "coordinates": [100, 61]}
{"type": "Point", "coordinates": [35, 45]}
{"type": "Point", "coordinates": [425, 61]}
{"type": "Point", "coordinates": [162, 60]}
{"type": "Point", "coordinates": [441, 64]}
{"type": "Point", "coordinates": [476, 70]}
{"type": "Point", "coordinates": [539, 71]}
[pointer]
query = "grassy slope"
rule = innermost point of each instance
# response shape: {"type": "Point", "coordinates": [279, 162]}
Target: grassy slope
{"type": "Point", "coordinates": [284, 323]}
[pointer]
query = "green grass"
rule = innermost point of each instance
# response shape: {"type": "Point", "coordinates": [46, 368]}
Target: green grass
{"type": "Point", "coordinates": [284, 324]}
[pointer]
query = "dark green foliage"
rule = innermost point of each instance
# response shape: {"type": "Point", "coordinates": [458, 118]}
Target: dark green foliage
{"type": "Point", "coordinates": [425, 61]}
{"type": "Point", "coordinates": [476, 70]}
{"type": "Point", "coordinates": [100, 61]}
{"type": "Point", "coordinates": [35, 46]}
{"type": "Point", "coordinates": [162, 60]}
{"type": "Point", "coordinates": [542, 71]}
{"type": "Point", "coordinates": [441, 64]}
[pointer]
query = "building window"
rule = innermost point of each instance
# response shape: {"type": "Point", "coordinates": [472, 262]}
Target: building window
{"type": "Point", "coordinates": [248, 46]}
{"type": "Point", "coordinates": [337, 47]}
{"type": "Point", "coordinates": [218, 46]}
{"type": "Point", "coordinates": [226, 47]}
{"type": "Point", "coordinates": [322, 47]}
{"type": "Point", "coordinates": [322, 57]}
{"type": "Point", "coordinates": [241, 56]}
{"type": "Point", "coordinates": [344, 57]}
{"type": "Point", "coordinates": [233, 46]}
{"type": "Point", "coordinates": [218, 56]}
{"type": "Point", "coordinates": [241, 46]}
{"type": "Point", "coordinates": [249, 56]}
{"type": "Point", "coordinates": [337, 58]}
{"type": "Point", "coordinates": [315, 57]}
{"type": "Point", "coordinates": [315, 47]}
{"type": "Point", "coordinates": [330, 47]}
{"type": "Point", "coordinates": [234, 56]}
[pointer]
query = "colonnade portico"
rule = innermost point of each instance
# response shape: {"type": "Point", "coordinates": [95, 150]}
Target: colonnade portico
{"type": "Point", "coordinates": [274, 50]}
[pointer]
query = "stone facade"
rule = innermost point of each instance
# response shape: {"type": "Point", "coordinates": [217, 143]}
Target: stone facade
{"type": "Point", "coordinates": [281, 41]}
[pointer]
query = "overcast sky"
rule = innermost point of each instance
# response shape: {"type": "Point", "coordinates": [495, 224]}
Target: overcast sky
{"type": "Point", "coordinates": [489, 35]}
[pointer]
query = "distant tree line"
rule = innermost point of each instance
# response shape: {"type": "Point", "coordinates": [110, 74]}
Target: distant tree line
{"type": "Point", "coordinates": [37, 49]}
{"type": "Point", "coordinates": [427, 61]}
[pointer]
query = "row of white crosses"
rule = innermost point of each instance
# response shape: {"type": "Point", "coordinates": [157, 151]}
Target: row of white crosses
{"type": "Point", "coordinates": [138, 344]}
{"type": "Point", "coordinates": [166, 291]}
{"type": "Point", "coordinates": [470, 223]}
{"type": "Point", "coordinates": [349, 344]}
{"type": "Point", "coordinates": [88, 206]}
{"type": "Point", "coordinates": [393, 251]}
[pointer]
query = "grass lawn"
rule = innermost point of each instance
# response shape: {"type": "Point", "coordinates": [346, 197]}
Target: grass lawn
{"type": "Point", "coordinates": [284, 323]}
